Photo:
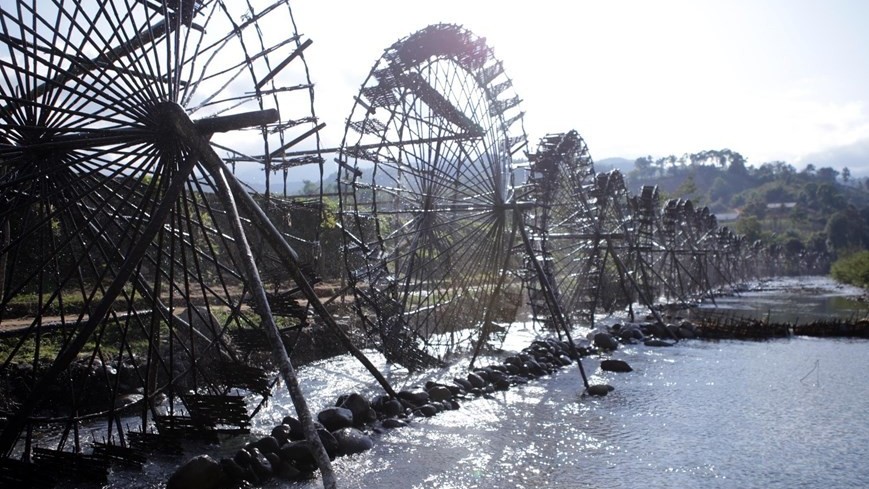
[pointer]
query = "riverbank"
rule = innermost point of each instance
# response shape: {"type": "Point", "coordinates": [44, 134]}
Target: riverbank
{"type": "Point", "coordinates": [544, 433]}
{"type": "Point", "coordinates": [728, 414]}
{"type": "Point", "coordinates": [353, 423]}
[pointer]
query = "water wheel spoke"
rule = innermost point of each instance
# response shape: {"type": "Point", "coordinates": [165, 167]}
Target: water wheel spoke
{"type": "Point", "coordinates": [109, 223]}
{"type": "Point", "coordinates": [427, 181]}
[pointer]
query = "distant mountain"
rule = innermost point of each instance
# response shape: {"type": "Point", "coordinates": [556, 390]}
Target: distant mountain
{"type": "Point", "coordinates": [623, 165]}
{"type": "Point", "coordinates": [257, 184]}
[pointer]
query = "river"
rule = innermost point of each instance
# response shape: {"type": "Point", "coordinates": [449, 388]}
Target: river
{"type": "Point", "coordinates": [781, 413]}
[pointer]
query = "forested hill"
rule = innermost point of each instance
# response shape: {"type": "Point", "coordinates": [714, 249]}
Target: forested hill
{"type": "Point", "coordinates": [820, 209]}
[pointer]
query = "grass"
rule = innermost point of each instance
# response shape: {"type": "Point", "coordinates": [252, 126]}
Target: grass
{"type": "Point", "coordinates": [109, 338]}
{"type": "Point", "coordinates": [852, 269]}
{"type": "Point", "coordinates": [51, 343]}
{"type": "Point", "coordinates": [30, 304]}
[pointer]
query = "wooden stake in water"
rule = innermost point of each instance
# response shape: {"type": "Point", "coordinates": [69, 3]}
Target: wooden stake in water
{"type": "Point", "coordinates": [551, 301]}
{"type": "Point", "coordinates": [212, 162]}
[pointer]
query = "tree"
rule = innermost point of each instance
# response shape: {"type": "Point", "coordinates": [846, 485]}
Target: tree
{"type": "Point", "coordinates": [784, 170]}
{"type": "Point", "coordinates": [750, 228]}
{"type": "Point", "coordinates": [778, 193]}
{"type": "Point", "coordinates": [719, 190]}
{"type": "Point", "coordinates": [643, 166]}
{"type": "Point", "coordinates": [853, 269]}
{"type": "Point", "coordinates": [817, 242]}
{"type": "Point", "coordinates": [737, 165]}
{"type": "Point", "coordinates": [688, 188]}
{"type": "Point", "coordinates": [765, 173]}
{"type": "Point", "coordinates": [846, 174]}
{"type": "Point", "coordinates": [829, 197]}
{"type": "Point", "coordinates": [845, 230]}
{"type": "Point", "coordinates": [793, 246]}
{"type": "Point", "coordinates": [755, 207]}
{"type": "Point", "coordinates": [799, 214]}
{"type": "Point", "coordinates": [827, 174]}
{"type": "Point", "coordinates": [310, 188]}
{"type": "Point", "coordinates": [808, 194]}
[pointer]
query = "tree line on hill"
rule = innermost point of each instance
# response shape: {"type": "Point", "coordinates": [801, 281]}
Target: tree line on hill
{"type": "Point", "coordinates": [816, 208]}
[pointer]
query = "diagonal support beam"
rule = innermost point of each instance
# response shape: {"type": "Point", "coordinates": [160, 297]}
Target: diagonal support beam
{"type": "Point", "coordinates": [551, 300]}
{"type": "Point", "coordinates": [209, 158]}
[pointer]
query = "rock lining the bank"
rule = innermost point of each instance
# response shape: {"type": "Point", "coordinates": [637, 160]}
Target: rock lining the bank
{"type": "Point", "coordinates": [347, 427]}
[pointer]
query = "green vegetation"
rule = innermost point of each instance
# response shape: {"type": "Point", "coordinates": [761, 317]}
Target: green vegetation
{"type": "Point", "coordinates": [815, 210]}
{"type": "Point", "coordinates": [49, 344]}
{"type": "Point", "coordinates": [111, 336]}
{"type": "Point", "coordinates": [852, 269]}
{"type": "Point", "coordinates": [48, 304]}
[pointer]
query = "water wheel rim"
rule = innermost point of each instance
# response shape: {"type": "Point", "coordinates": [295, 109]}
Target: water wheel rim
{"type": "Point", "coordinates": [87, 158]}
{"type": "Point", "coordinates": [436, 125]}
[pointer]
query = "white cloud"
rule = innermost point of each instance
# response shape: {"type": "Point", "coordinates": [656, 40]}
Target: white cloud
{"type": "Point", "coordinates": [770, 81]}
{"type": "Point", "coordinates": [855, 156]}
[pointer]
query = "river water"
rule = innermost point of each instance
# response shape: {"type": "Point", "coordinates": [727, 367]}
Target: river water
{"type": "Point", "coordinates": [782, 413]}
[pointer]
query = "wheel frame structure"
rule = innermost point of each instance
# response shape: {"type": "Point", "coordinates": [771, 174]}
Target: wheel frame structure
{"type": "Point", "coordinates": [646, 209]}
{"type": "Point", "coordinates": [684, 262]}
{"type": "Point", "coordinates": [115, 199]}
{"type": "Point", "coordinates": [582, 221]}
{"type": "Point", "coordinates": [561, 176]}
{"type": "Point", "coordinates": [426, 168]}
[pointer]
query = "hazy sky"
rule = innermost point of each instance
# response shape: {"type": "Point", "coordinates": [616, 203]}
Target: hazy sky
{"type": "Point", "coordinates": [774, 80]}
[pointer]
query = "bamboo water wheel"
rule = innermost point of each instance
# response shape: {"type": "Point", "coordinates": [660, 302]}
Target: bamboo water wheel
{"type": "Point", "coordinates": [427, 188]}
{"type": "Point", "coordinates": [560, 182]}
{"type": "Point", "coordinates": [585, 234]}
{"type": "Point", "coordinates": [124, 268]}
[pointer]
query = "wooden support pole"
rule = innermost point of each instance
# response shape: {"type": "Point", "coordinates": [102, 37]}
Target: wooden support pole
{"type": "Point", "coordinates": [551, 301]}
{"type": "Point", "coordinates": [290, 260]}
{"type": "Point", "coordinates": [200, 146]}
{"type": "Point", "coordinates": [5, 240]}
{"type": "Point", "coordinates": [283, 64]}
{"type": "Point", "coordinates": [623, 272]}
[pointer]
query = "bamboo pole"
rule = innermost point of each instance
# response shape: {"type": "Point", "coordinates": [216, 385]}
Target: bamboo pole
{"type": "Point", "coordinates": [551, 300]}
{"type": "Point", "coordinates": [290, 260]}
{"type": "Point", "coordinates": [200, 146]}
{"type": "Point", "coordinates": [623, 273]}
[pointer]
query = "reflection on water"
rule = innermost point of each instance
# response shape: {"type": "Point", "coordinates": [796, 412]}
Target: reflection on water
{"type": "Point", "coordinates": [727, 414]}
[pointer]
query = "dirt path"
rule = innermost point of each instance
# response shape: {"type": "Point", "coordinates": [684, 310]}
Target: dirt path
{"type": "Point", "coordinates": [11, 326]}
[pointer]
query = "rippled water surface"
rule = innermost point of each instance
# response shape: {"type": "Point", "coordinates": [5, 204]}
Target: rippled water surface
{"type": "Point", "coordinates": [783, 413]}
{"type": "Point", "coordinates": [793, 299]}
{"type": "Point", "coordinates": [727, 414]}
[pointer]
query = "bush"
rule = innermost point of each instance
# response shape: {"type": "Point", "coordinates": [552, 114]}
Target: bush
{"type": "Point", "coordinates": [852, 269]}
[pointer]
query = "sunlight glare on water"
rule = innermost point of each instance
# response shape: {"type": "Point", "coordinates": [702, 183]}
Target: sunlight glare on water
{"type": "Point", "coordinates": [703, 414]}
{"type": "Point", "coordinates": [714, 414]}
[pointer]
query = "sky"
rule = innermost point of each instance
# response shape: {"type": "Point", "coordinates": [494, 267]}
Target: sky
{"type": "Point", "coordinates": [774, 80]}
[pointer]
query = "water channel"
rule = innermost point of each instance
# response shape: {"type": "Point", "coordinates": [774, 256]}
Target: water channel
{"type": "Point", "coordinates": [781, 413]}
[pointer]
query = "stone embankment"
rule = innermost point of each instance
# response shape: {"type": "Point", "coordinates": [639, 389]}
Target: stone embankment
{"type": "Point", "coordinates": [351, 425]}
{"type": "Point", "coordinates": [727, 327]}
{"type": "Point", "coordinates": [347, 427]}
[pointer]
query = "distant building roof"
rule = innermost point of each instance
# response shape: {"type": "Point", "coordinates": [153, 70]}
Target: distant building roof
{"type": "Point", "coordinates": [727, 216]}
{"type": "Point", "coordinates": [781, 205]}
